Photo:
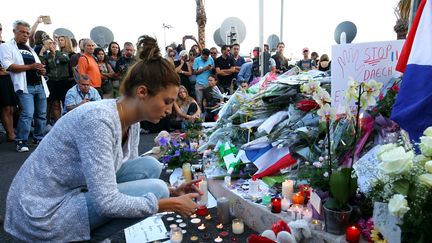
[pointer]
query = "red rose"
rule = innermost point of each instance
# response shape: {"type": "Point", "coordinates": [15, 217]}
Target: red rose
{"type": "Point", "coordinates": [307, 105]}
{"type": "Point", "coordinates": [381, 96]}
{"type": "Point", "coordinates": [395, 88]}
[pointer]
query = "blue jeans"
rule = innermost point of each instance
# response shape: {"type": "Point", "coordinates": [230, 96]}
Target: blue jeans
{"type": "Point", "coordinates": [34, 105]}
{"type": "Point", "coordinates": [135, 178]}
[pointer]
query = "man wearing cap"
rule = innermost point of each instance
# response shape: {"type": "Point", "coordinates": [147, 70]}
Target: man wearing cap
{"type": "Point", "coordinates": [306, 64]}
{"type": "Point", "coordinates": [26, 73]}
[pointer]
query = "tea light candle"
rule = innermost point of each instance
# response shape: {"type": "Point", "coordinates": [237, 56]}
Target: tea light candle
{"type": "Point", "coordinates": [287, 188]}
{"type": "Point", "coordinates": [285, 204]}
{"type": "Point", "coordinates": [276, 205]}
{"type": "Point", "coordinates": [193, 216]}
{"type": "Point", "coordinates": [352, 234]}
{"type": "Point", "coordinates": [218, 239]}
{"type": "Point", "coordinates": [208, 217]}
{"type": "Point", "coordinates": [298, 198]}
{"type": "Point", "coordinates": [316, 224]}
{"type": "Point", "coordinates": [201, 227]}
{"type": "Point", "coordinates": [176, 235]}
{"type": "Point", "coordinates": [237, 226]}
{"type": "Point", "coordinates": [219, 226]}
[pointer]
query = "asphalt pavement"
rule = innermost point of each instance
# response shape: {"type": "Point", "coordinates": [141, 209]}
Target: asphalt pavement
{"type": "Point", "coordinates": [11, 161]}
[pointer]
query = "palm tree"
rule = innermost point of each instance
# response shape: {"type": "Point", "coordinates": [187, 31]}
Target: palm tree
{"type": "Point", "coordinates": [402, 12]}
{"type": "Point", "coordinates": [201, 20]}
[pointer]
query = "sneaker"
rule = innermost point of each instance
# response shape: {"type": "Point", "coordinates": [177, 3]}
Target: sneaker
{"type": "Point", "coordinates": [21, 147]}
{"type": "Point", "coordinates": [36, 142]}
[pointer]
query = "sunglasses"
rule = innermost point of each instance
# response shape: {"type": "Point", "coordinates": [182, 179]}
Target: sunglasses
{"type": "Point", "coordinates": [305, 51]}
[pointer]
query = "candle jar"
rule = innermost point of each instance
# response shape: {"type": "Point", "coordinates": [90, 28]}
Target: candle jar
{"type": "Point", "coordinates": [176, 235]}
{"type": "Point", "coordinates": [203, 187]}
{"type": "Point", "coordinates": [276, 205]}
{"type": "Point", "coordinates": [352, 234]}
{"type": "Point", "coordinates": [223, 210]}
{"type": "Point", "coordinates": [287, 188]}
{"type": "Point", "coordinates": [237, 226]}
{"type": "Point", "coordinates": [186, 168]}
{"type": "Point", "coordinates": [202, 209]}
{"type": "Point", "coordinates": [316, 224]}
{"type": "Point", "coordinates": [298, 199]}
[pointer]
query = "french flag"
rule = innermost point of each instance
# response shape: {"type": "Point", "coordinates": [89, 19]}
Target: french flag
{"type": "Point", "coordinates": [413, 107]}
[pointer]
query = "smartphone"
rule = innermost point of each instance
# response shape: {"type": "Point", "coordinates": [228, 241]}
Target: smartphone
{"type": "Point", "coordinates": [46, 19]}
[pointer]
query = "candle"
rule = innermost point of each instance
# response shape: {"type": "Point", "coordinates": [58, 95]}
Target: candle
{"type": "Point", "coordinates": [218, 239]}
{"type": "Point", "coordinates": [193, 216]}
{"type": "Point", "coordinates": [276, 205]}
{"type": "Point", "coordinates": [298, 198]}
{"type": "Point", "coordinates": [316, 224]}
{"type": "Point", "coordinates": [201, 227]}
{"type": "Point", "coordinates": [208, 217]}
{"type": "Point", "coordinates": [223, 210]}
{"type": "Point", "coordinates": [237, 226]}
{"type": "Point", "coordinates": [194, 238]}
{"type": "Point", "coordinates": [176, 235]}
{"type": "Point", "coordinates": [202, 185]}
{"type": "Point", "coordinates": [227, 181]}
{"type": "Point", "coordinates": [352, 234]}
{"type": "Point", "coordinates": [285, 204]}
{"type": "Point", "coordinates": [287, 188]}
{"type": "Point", "coordinates": [307, 214]}
{"type": "Point", "coordinates": [254, 186]}
{"type": "Point", "coordinates": [187, 172]}
{"type": "Point", "coordinates": [201, 210]}
{"type": "Point", "coordinates": [219, 226]}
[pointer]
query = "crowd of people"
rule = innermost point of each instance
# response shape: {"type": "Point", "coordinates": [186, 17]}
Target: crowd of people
{"type": "Point", "coordinates": [46, 78]}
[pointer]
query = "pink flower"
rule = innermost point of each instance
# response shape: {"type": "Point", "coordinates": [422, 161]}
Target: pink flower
{"type": "Point", "coordinates": [381, 96]}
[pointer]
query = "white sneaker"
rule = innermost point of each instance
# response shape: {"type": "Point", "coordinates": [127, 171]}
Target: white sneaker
{"type": "Point", "coordinates": [21, 147]}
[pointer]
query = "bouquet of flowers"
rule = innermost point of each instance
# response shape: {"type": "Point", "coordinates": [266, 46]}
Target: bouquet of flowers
{"type": "Point", "coordinates": [404, 181]}
{"type": "Point", "coordinates": [173, 151]}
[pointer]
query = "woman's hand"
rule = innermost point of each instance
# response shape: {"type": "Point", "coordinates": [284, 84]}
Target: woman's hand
{"type": "Point", "coordinates": [185, 204]}
{"type": "Point", "coordinates": [187, 187]}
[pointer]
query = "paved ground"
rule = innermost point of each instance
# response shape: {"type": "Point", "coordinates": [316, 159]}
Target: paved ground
{"type": "Point", "coordinates": [11, 161]}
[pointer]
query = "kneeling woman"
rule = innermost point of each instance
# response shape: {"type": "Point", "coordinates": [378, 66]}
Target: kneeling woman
{"type": "Point", "coordinates": [85, 179]}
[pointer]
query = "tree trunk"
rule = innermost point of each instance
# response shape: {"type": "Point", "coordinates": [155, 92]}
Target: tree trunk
{"type": "Point", "coordinates": [201, 20]}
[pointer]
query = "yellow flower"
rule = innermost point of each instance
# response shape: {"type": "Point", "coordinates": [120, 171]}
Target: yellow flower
{"type": "Point", "coordinates": [310, 87]}
{"type": "Point", "coordinates": [321, 97]}
{"type": "Point", "coordinates": [371, 92]}
{"type": "Point", "coordinates": [352, 92]}
{"type": "Point", "coordinates": [326, 113]}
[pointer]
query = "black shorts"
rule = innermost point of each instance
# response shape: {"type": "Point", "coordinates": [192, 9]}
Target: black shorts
{"type": "Point", "coordinates": [7, 93]}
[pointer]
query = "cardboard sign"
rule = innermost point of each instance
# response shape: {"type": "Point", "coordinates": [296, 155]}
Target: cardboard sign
{"type": "Point", "coordinates": [386, 223]}
{"type": "Point", "coordinates": [362, 62]}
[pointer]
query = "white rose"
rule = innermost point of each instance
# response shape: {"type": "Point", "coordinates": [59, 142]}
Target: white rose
{"type": "Point", "coordinates": [317, 164]}
{"type": "Point", "coordinates": [426, 179]}
{"type": "Point", "coordinates": [398, 205]}
{"type": "Point", "coordinates": [384, 148]}
{"type": "Point", "coordinates": [396, 161]}
{"type": "Point", "coordinates": [426, 146]}
{"type": "Point", "coordinates": [428, 132]}
{"type": "Point", "coordinates": [421, 159]}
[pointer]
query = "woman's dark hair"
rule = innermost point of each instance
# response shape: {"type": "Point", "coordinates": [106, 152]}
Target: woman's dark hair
{"type": "Point", "coordinates": [38, 36]}
{"type": "Point", "coordinates": [152, 70]}
{"type": "Point", "coordinates": [214, 76]}
{"type": "Point", "coordinates": [109, 49]}
{"type": "Point", "coordinates": [97, 50]}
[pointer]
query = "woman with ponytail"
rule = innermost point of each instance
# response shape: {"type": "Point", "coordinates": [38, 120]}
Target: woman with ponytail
{"type": "Point", "coordinates": [85, 180]}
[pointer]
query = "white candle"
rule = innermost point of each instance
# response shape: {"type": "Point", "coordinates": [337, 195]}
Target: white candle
{"type": "Point", "coordinates": [176, 235]}
{"type": "Point", "coordinates": [316, 224]}
{"type": "Point", "coordinates": [307, 214]}
{"type": "Point", "coordinates": [202, 185]}
{"type": "Point", "coordinates": [287, 188]}
{"type": "Point", "coordinates": [218, 239]}
{"type": "Point", "coordinates": [227, 181]}
{"type": "Point", "coordinates": [285, 204]}
{"type": "Point", "coordinates": [237, 226]}
{"type": "Point", "coordinates": [201, 227]}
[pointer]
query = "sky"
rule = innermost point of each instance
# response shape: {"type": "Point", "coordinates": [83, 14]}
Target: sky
{"type": "Point", "coordinates": [307, 23]}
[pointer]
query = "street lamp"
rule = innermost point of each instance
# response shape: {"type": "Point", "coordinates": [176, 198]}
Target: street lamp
{"type": "Point", "coordinates": [166, 26]}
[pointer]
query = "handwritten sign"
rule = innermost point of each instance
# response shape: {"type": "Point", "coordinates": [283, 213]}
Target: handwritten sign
{"type": "Point", "coordinates": [363, 62]}
{"type": "Point", "coordinates": [386, 223]}
{"type": "Point", "coordinates": [148, 230]}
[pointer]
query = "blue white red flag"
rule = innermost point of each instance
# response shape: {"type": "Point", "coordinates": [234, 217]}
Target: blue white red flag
{"type": "Point", "coordinates": [413, 107]}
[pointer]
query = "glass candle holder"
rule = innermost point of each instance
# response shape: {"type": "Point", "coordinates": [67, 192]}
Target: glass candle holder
{"type": "Point", "coordinates": [237, 226]}
{"type": "Point", "coordinates": [276, 205]}
{"type": "Point", "coordinates": [176, 235]}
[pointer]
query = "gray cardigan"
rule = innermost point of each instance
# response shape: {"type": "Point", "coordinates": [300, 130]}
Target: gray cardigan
{"type": "Point", "coordinates": [46, 203]}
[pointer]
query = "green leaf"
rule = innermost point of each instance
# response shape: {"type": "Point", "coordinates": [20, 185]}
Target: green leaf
{"type": "Point", "coordinates": [332, 204]}
{"type": "Point", "coordinates": [339, 186]}
{"type": "Point", "coordinates": [402, 186]}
